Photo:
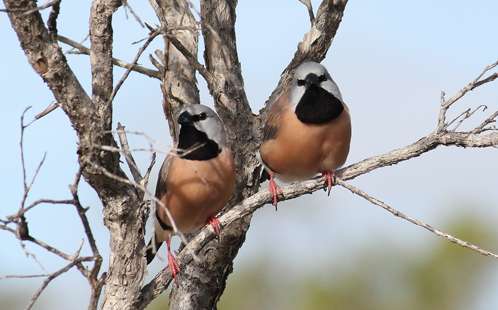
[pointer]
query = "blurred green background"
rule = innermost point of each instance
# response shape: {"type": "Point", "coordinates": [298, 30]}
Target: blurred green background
{"type": "Point", "coordinates": [441, 277]}
{"type": "Point", "coordinates": [391, 59]}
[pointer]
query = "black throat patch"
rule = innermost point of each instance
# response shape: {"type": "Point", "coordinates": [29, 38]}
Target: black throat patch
{"type": "Point", "coordinates": [318, 106]}
{"type": "Point", "coordinates": [195, 145]}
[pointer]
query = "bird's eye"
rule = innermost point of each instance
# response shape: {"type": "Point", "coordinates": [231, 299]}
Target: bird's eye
{"type": "Point", "coordinates": [301, 82]}
{"type": "Point", "coordinates": [322, 78]}
{"type": "Point", "coordinates": [202, 116]}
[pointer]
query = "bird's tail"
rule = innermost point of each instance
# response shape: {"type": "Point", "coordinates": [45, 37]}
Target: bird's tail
{"type": "Point", "coordinates": [264, 175]}
{"type": "Point", "coordinates": [152, 248]}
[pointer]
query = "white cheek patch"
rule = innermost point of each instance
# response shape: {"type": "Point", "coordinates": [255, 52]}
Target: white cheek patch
{"type": "Point", "coordinates": [295, 95]}
{"type": "Point", "coordinates": [332, 88]}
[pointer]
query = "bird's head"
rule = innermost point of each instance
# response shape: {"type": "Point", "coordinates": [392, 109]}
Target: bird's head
{"type": "Point", "coordinates": [310, 75]}
{"type": "Point", "coordinates": [314, 95]}
{"type": "Point", "coordinates": [204, 120]}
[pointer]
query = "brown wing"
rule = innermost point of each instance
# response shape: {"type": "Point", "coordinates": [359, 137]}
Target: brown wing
{"type": "Point", "coordinates": [273, 118]}
{"type": "Point", "coordinates": [161, 190]}
{"type": "Point", "coordinates": [161, 179]}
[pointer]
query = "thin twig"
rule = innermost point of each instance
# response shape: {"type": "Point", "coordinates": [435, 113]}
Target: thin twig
{"type": "Point", "coordinates": [151, 38]}
{"type": "Point", "coordinates": [446, 104]}
{"type": "Point", "coordinates": [117, 62]}
{"type": "Point", "coordinates": [29, 11]}
{"type": "Point", "coordinates": [491, 119]}
{"type": "Point", "coordinates": [123, 140]}
{"type": "Point", "coordinates": [309, 7]}
{"type": "Point", "coordinates": [465, 115]}
{"type": "Point", "coordinates": [139, 186]}
{"type": "Point", "coordinates": [412, 220]}
{"type": "Point", "coordinates": [24, 276]}
{"type": "Point", "coordinates": [145, 180]}
{"type": "Point", "coordinates": [127, 5]}
{"type": "Point", "coordinates": [52, 276]}
{"type": "Point", "coordinates": [52, 107]}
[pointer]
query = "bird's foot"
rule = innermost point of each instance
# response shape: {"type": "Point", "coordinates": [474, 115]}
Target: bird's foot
{"type": "Point", "coordinates": [215, 224]}
{"type": "Point", "coordinates": [275, 190]}
{"type": "Point", "coordinates": [172, 264]}
{"type": "Point", "coordinates": [329, 175]}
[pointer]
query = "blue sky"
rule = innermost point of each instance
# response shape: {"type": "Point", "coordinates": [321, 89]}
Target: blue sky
{"type": "Point", "coordinates": [391, 59]}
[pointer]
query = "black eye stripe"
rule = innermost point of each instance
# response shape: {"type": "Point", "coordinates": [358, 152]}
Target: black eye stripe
{"type": "Point", "coordinates": [322, 78]}
{"type": "Point", "coordinates": [199, 117]}
{"type": "Point", "coordinates": [301, 82]}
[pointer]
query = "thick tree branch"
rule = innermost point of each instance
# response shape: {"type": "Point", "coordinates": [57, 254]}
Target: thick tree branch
{"type": "Point", "coordinates": [251, 204]}
{"type": "Point", "coordinates": [477, 137]}
{"type": "Point", "coordinates": [124, 212]}
{"type": "Point", "coordinates": [226, 86]}
{"type": "Point", "coordinates": [179, 81]}
{"type": "Point", "coordinates": [316, 41]}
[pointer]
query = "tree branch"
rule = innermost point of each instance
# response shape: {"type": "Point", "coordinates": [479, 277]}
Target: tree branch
{"type": "Point", "coordinates": [179, 82]}
{"type": "Point", "coordinates": [117, 62]}
{"type": "Point", "coordinates": [315, 44]}
{"type": "Point", "coordinates": [414, 221]}
{"type": "Point", "coordinates": [251, 204]}
{"type": "Point", "coordinates": [149, 40]}
{"type": "Point", "coordinates": [477, 137]}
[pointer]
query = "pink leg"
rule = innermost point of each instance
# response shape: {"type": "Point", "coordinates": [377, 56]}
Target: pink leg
{"type": "Point", "coordinates": [274, 190]}
{"type": "Point", "coordinates": [215, 224]}
{"type": "Point", "coordinates": [330, 180]}
{"type": "Point", "coordinates": [172, 264]}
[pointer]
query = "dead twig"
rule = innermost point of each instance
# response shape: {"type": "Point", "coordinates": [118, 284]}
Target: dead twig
{"type": "Point", "coordinates": [117, 62]}
{"type": "Point", "coordinates": [309, 7]}
{"type": "Point", "coordinates": [412, 220]}
{"type": "Point", "coordinates": [149, 40]}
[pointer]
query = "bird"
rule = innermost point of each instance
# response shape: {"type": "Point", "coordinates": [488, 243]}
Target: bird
{"type": "Point", "coordinates": [307, 130]}
{"type": "Point", "coordinates": [195, 181]}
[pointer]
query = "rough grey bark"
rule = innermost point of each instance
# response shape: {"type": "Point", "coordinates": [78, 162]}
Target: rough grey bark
{"type": "Point", "coordinates": [124, 213]}
{"type": "Point", "coordinates": [202, 281]}
{"type": "Point", "coordinates": [179, 84]}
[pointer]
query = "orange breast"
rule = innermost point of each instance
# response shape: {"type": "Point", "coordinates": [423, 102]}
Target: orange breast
{"type": "Point", "coordinates": [197, 190]}
{"type": "Point", "coordinates": [299, 151]}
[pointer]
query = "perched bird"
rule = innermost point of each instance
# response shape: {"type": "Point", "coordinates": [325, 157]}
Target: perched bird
{"type": "Point", "coordinates": [196, 181]}
{"type": "Point", "coordinates": [308, 129]}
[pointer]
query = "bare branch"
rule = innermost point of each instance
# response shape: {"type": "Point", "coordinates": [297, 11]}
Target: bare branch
{"type": "Point", "coordinates": [123, 140]}
{"type": "Point", "coordinates": [446, 104]}
{"type": "Point", "coordinates": [52, 18]}
{"type": "Point", "coordinates": [25, 11]}
{"type": "Point", "coordinates": [465, 115]}
{"type": "Point", "coordinates": [412, 220]}
{"type": "Point", "coordinates": [179, 80]}
{"type": "Point", "coordinates": [52, 107]}
{"type": "Point", "coordinates": [117, 62]}
{"type": "Point", "coordinates": [126, 6]}
{"type": "Point", "coordinates": [23, 276]}
{"type": "Point", "coordinates": [52, 276]}
{"type": "Point", "coordinates": [149, 40]}
{"type": "Point", "coordinates": [254, 202]}
{"type": "Point", "coordinates": [139, 186]}
{"type": "Point", "coordinates": [316, 41]}
{"type": "Point", "coordinates": [309, 7]}
{"type": "Point", "coordinates": [490, 120]}
{"type": "Point", "coordinates": [145, 180]}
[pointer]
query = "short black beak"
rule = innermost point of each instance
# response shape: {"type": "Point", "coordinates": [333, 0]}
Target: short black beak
{"type": "Point", "coordinates": [185, 118]}
{"type": "Point", "coordinates": [312, 79]}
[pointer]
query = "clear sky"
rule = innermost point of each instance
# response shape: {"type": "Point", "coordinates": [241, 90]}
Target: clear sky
{"type": "Point", "coordinates": [391, 59]}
